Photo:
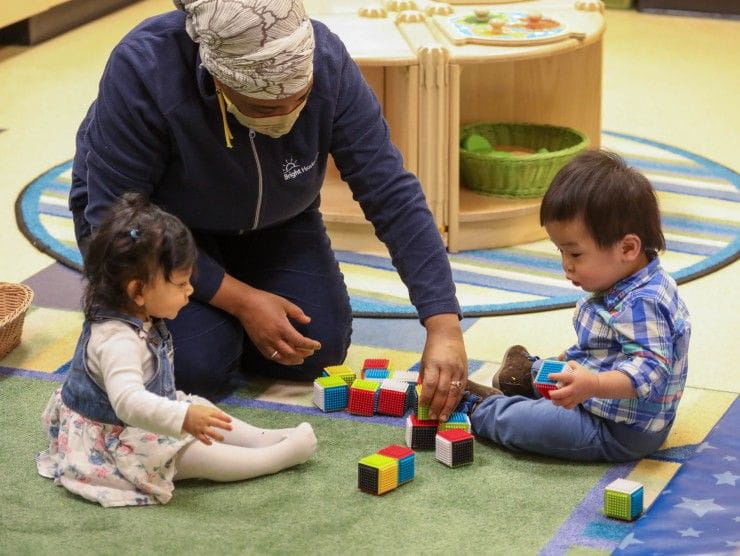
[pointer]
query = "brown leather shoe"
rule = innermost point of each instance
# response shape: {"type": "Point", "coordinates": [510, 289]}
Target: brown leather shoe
{"type": "Point", "coordinates": [514, 377]}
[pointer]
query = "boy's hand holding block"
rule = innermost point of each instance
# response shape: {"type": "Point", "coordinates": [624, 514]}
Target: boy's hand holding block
{"type": "Point", "coordinates": [542, 381]}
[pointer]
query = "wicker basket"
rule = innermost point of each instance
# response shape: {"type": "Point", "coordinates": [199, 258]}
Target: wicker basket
{"type": "Point", "coordinates": [527, 175]}
{"type": "Point", "coordinates": [14, 301]}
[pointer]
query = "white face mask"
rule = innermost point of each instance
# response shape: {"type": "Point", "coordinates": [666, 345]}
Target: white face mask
{"type": "Point", "coordinates": [274, 126]}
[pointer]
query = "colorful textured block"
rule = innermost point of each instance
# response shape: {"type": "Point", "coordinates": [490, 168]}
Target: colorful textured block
{"type": "Point", "coordinates": [623, 499]}
{"type": "Point", "coordinates": [406, 461]}
{"type": "Point", "coordinates": [420, 433]}
{"type": "Point", "coordinates": [454, 447]}
{"type": "Point", "coordinates": [457, 420]}
{"type": "Point", "coordinates": [376, 374]}
{"type": "Point", "coordinates": [392, 397]}
{"type": "Point", "coordinates": [342, 371]}
{"type": "Point", "coordinates": [422, 411]}
{"type": "Point", "coordinates": [411, 377]}
{"type": "Point", "coordinates": [543, 384]}
{"type": "Point", "coordinates": [330, 393]}
{"type": "Point", "coordinates": [376, 364]}
{"type": "Point", "coordinates": [377, 474]}
{"type": "Point", "coordinates": [412, 399]}
{"type": "Point", "coordinates": [363, 398]}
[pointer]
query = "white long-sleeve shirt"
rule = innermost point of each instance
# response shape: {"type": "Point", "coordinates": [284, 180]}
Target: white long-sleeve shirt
{"type": "Point", "coordinates": [121, 364]}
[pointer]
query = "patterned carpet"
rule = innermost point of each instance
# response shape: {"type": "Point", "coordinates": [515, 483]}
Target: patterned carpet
{"type": "Point", "coordinates": [700, 202]}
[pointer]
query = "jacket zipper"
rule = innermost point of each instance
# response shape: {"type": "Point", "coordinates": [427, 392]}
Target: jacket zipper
{"type": "Point", "coordinates": [257, 211]}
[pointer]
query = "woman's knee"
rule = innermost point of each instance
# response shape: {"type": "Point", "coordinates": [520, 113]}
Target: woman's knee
{"type": "Point", "coordinates": [208, 350]}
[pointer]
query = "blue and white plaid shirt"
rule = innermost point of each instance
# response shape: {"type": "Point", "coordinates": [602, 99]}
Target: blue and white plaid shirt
{"type": "Point", "coordinates": [639, 327]}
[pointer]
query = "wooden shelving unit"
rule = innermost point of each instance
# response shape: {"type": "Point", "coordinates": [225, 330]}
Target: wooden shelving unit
{"type": "Point", "coordinates": [429, 86]}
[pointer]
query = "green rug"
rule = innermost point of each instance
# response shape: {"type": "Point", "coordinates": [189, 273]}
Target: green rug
{"type": "Point", "coordinates": [503, 503]}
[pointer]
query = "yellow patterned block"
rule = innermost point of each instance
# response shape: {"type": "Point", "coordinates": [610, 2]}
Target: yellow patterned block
{"type": "Point", "coordinates": [341, 371]}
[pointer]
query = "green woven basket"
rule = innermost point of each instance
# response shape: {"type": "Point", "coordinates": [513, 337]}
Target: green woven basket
{"type": "Point", "coordinates": [527, 175]}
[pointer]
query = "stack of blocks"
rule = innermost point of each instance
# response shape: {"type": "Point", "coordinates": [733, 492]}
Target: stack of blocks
{"type": "Point", "coordinates": [386, 469]}
{"type": "Point", "coordinates": [330, 393]}
{"type": "Point", "coordinates": [542, 382]}
{"type": "Point", "coordinates": [420, 433]}
{"type": "Point", "coordinates": [454, 447]}
{"type": "Point", "coordinates": [421, 430]}
{"type": "Point", "coordinates": [380, 390]}
{"type": "Point", "coordinates": [623, 499]}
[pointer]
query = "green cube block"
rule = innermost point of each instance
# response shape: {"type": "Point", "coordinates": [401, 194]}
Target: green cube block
{"type": "Point", "coordinates": [623, 499]}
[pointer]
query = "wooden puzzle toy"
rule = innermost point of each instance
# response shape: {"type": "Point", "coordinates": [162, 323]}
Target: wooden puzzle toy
{"type": "Point", "coordinates": [543, 384]}
{"type": "Point", "coordinates": [406, 461]}
{"type": "Point", "coordinates": [420, 433]}
{"type": "Point", "coordinates": [392, 396]}
{"type": "Point", "coordinates": [426, 67]}
{"type": "Point", "coordinates": [342, 371]}
{"type": "Point", "coordinates": [454, 447]}
{"type": "Point", "coordinates": [363, 398]}
{"type": "Point", "coordinates": [504, 28]}
{"type": "Point", "coordinates": [623, 499]}
{"type": "Point", "coordinates": [330, 393]}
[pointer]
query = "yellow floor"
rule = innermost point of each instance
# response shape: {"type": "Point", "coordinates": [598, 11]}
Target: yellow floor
{"type": "Point", "coordinates": [667, 78]}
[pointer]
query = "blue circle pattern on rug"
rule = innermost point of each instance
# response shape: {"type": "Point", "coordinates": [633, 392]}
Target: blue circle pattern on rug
{"type": "Point", "coordinates": [700, 205]}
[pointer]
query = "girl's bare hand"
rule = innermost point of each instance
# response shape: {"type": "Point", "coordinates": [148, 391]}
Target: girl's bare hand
{"type": "Point", "coordinates": [200, 421]}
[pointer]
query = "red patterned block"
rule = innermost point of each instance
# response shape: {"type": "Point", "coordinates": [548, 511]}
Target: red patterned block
{"type": "Point", "coordinates": [361, 402]}
{"type": "Point", "coordinates": [375, 364]}
{"type": "Point", "coordinates": [392, 397]}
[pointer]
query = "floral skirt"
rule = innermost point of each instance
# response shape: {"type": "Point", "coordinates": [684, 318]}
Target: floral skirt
{"type": "Point", "coordinates": [109, 464]}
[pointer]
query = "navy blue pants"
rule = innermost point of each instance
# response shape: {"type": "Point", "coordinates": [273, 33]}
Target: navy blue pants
{"type": "Point", "coordinates": [213, 353]}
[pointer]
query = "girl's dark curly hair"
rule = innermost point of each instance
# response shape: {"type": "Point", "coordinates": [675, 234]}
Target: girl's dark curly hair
{"type": "Point", "coordinates": [135, 241]}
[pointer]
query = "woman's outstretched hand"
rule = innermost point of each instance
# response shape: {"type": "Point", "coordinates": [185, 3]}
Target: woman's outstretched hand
{"type": "Point", "coordinates": [444, 366]}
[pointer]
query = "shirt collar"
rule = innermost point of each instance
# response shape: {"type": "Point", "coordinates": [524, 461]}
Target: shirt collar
{"type": "Point", "coordinates": [620, 290]}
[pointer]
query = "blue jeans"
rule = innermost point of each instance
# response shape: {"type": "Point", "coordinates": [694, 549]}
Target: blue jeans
{"type": "Point", "coordinates": [293, 260]}
{"type": "Point", "coordinates": [538, 426]}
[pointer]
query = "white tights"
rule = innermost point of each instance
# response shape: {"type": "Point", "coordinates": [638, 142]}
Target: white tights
{"type": "Point", "coordinates": [246, 452]}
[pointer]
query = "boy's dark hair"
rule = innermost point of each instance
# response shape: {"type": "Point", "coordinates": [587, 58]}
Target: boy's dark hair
{"type": "Point", "coordinates": [135, 240]}
{"type": "Point", "coordinates": [613, 199]}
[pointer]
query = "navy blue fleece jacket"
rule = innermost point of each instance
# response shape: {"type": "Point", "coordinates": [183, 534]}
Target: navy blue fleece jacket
{"type": "Point", "coordinates": [156, 128]}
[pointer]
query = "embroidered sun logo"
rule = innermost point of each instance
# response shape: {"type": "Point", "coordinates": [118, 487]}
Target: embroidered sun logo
{"type": "Point", "coordinates": [289, 165]}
